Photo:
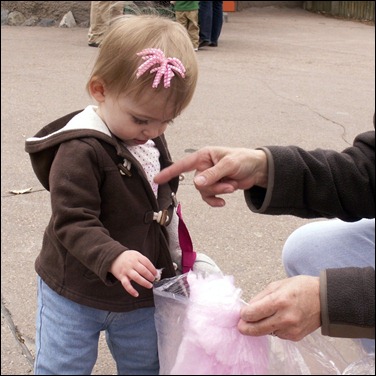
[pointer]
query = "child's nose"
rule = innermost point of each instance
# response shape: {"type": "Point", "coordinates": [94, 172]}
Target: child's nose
{"type": "Point", "coordinates": [151, 132]}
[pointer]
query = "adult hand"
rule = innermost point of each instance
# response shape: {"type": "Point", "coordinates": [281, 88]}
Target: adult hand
{"type": "Point", "coordinates": [289, 309]}
{"type": "Point", "coordinates": [220, 170]}
{"type": "Point", "coordinates": [133, 266]}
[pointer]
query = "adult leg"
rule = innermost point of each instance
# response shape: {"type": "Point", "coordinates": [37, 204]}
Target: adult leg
{"type": "Point", "coordinates": [67, 335]}
{"type": "Point", "coordinates": [132, 340]}
{"type": "Point", "coordinates": [99, 20]}
{"type": "Point", "coordinates": [192, 27]}
{"type": "Point", "coordinates": [217, 23]}
{"type": "Point", "coordinates": [182, 19]}
{"type": "Point", "coordinates": [116, 9]}
{"type": "Point", "coordinates": [329, 244]}
{"type": "Point", "coordinates": [205, 17]}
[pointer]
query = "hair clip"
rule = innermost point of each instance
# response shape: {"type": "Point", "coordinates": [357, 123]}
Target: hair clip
{"type": "Point", "coordinates": [156, 61]}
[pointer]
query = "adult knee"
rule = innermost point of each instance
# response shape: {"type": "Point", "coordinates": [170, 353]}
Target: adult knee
{"type": "Point", "coordinates": [299, 250]}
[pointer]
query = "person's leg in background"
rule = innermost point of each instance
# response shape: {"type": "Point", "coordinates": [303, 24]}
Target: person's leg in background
{"type": "Point", "coordinates": [99, 14]}
{"type": "Point", "coordinates": [193, 28]}
{"type": "Point", "coordinates": [205, 17]}
{"type": "Point", "coordinates": [331, 244]}
{"type": "Point", "coordinates": [216, 23]}
{"type": "Point", "coordinates": [182, 19]}
{"type": "Point", "coordinates": [116, 9]}
{"type": "Point", "coordinates": [185, 19]}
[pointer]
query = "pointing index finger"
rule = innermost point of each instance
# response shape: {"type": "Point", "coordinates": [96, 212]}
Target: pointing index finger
{"type": "Point", "coordinates": [186, 164]}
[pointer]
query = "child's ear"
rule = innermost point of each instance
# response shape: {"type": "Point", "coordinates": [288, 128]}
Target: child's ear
{"type": "Point", "coordinates": [97, 89]}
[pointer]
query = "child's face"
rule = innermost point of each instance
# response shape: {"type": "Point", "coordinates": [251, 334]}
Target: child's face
{"type": "Point", "coordinates": [136, 122]}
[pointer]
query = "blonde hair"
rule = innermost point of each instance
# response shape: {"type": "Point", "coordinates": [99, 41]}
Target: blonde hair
{"type": "Point", "coordinates": [117, 61]}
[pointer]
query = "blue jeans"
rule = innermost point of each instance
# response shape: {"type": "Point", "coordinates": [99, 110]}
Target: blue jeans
{"type": "Point", "coordinates": [67, 337]}
{"type": "Point", "coordinates": [331, 244]}
{"type": "Point", "coordinates": [210, 17]}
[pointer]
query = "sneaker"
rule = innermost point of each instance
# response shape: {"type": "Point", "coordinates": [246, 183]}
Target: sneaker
{"type": "Point", "coordinates": [93, 44]}
{"type": "Point", "coordinates": [203, 43]}
{"type": "Point", "coordinates": [213, 44]}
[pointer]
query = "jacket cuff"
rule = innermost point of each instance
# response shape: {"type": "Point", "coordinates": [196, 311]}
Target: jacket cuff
{"type": "Point", "coordinates": [258, 199]}
{"type": "Point", "coordinates": [347, 297]}
{"type": "Point", "coordinates": [324, 304]}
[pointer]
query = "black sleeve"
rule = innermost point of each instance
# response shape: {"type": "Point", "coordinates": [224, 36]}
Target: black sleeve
{"type": "Point", "coordinates": [319, 183]}
{"type": "Point", "coordinates": [348, 302]}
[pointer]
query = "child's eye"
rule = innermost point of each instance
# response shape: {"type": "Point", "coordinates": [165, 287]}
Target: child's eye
{"type": "Point", "coordinates": [139, 121]}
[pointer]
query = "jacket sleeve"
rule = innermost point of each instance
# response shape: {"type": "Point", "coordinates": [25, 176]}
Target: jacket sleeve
{"type": "Point", "coordinates": [75, 187]}
{"type": "Point", "coordinates": [347, 298]}
{"type": "Point", "coordinates": [319, 183]}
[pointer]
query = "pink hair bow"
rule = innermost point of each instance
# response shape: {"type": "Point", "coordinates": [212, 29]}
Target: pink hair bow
{"type": "Point", "coordinates": [156, 61]}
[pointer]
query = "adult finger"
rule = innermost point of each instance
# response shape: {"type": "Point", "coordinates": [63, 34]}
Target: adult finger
{"type": "Point", "coordinates": [262, 328]}
{"type": "Point", "coordinates": [258, 310]}
{"type": "Point", "coordinates": [210, 193]}
{"type": "Point", "coordinates": [210, 176]}
{"type": "Point", "coordinates": [186, 164]}
{"type": "Point", "coordinates": [214, 201]}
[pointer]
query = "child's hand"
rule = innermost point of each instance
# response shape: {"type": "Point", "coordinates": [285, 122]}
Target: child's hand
{"type": "Point", "coordinates": [133, 266]}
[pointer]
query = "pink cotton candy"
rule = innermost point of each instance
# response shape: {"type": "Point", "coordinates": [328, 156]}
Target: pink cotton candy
{"type": "Point", "coordinates": [196, 320]}
{"type": "Point", "coordinates": [211, 343]}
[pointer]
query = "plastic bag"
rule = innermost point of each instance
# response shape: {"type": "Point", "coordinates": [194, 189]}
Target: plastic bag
{"type": "Point", "coordinates": [196, 320]}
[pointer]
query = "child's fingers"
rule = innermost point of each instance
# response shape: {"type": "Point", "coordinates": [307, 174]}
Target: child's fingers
{"type": "Point", "coordinates": [137, 278]}
{"type": "Point", "coordinates": [126, 283]}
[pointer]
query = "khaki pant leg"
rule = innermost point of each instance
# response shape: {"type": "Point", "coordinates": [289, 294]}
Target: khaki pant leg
{"type": "Point", "coordinates": [193, 28]}
{"type": "Point", "coordinates": [182, 19]}
{"type": "Point", "coordinates": [116, 9]}
{"type": "Point", "coordinates": [101, 13]}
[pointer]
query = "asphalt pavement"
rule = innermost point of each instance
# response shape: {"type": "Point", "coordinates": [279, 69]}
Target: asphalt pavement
{"type": "Point", "coordinates": [278, 76]}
